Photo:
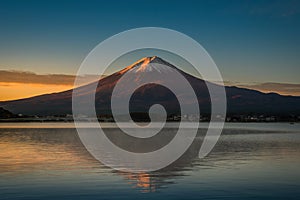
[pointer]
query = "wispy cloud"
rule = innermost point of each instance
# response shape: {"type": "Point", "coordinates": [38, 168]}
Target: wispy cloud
{"type": "Point", "coordinates": [281, 88]}
{"type": "Point", "coordinates": [8, 78]}
{"type": "Point", "coordinates": [46, 79]}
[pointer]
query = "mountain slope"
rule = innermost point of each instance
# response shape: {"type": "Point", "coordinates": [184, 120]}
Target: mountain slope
{"type": "Point", "coordinates": [239, 100]}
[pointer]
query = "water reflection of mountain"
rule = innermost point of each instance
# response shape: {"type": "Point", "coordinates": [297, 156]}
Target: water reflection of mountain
{"type": "Point", "coordinates": [55, 150]}
{"type": "Point", "coordinates": [59, 149]}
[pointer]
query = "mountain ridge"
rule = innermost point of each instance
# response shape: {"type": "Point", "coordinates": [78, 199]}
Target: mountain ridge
{"type": "Point", "coordinates": [240, 100]}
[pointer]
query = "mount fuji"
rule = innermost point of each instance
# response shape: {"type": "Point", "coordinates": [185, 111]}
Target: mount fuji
{"type": "Point", "coordinates": [239, 100]}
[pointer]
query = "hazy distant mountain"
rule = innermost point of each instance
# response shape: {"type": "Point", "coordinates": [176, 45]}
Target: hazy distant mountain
{"type": "Point", "coordinates": [240, 100]}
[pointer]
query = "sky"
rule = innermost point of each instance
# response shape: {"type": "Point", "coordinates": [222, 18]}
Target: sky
{"type": "Point", "coordinates": [255, 43]}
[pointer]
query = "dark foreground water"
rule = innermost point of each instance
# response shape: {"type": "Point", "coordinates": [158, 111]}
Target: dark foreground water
{"type": "Point", "coordinates": [250, 161]}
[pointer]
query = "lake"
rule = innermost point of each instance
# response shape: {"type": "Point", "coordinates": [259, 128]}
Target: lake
{"type": "Point", "coordinates": [250, 161]}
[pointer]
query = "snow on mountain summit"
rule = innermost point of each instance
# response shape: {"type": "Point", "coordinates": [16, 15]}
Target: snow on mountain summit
{"type": "Point", "coordinates": [149, 64]}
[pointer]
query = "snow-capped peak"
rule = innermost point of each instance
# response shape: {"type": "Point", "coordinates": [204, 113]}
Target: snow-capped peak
{"type": "Point", "coordinates": [148, 64]}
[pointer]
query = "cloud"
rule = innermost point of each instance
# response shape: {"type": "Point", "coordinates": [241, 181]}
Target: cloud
{"type": "Point", "coordinates": [23, 77]}
{"type": "Point", "coordinates": [281, 88]}
{"type": "Point", "coordinates": [46, 79]}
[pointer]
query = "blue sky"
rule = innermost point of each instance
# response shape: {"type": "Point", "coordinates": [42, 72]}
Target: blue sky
{"type": "Point", "coordinates": [250, 41]}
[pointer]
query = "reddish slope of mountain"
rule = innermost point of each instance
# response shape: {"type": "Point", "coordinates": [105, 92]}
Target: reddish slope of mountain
{"type": "Point", "coordinates": [240, 100]}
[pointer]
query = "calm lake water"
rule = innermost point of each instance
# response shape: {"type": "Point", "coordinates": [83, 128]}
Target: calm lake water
{"type": "Point", "coordinates": [250, 161]}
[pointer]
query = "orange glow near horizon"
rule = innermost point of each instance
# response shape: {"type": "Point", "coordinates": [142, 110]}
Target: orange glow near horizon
{"type": "Point", "coordinates": [13, 91]}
